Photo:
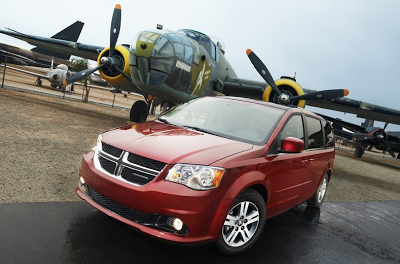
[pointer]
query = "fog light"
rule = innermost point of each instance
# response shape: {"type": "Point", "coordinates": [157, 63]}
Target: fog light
{"type": "Point", "coordinates": [177, 224]}
{"type": "Point", "coordinates": [82, 180]}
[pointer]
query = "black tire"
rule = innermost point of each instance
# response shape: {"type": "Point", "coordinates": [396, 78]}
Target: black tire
{"type": "Point", "coordinates": [358, 152]}
{"type": "Point", "coordinates": [241, 230]}
{"type": "Point", "coordinates": [317, 200]}
{"type": "Point", "coordinates": [139, 112]}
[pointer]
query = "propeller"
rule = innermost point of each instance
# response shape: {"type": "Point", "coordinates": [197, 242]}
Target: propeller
{"type": "Point", "coordinates": [115, 27]}
{"type": "Point", "coordinates": [379, 137]}
{"type": "Point", "coordinates": [262, 70]}
{"type": "Point", "coordinates": [283, 98]}
{"type": "Point", "coordinates": [104, 61]}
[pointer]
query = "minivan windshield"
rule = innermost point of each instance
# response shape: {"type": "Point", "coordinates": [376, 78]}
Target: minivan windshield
{"type": "Point", "coordinates": [226, 117]}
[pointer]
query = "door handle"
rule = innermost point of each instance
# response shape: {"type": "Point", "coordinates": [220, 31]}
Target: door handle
{"type": "Point", "coordinates": [304, 162]}
{"type": "Point", "coordinates": [311, 160]}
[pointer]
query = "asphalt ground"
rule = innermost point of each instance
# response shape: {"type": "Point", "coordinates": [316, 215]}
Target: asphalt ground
{"type": "Point", "coordinates": [42, 138]}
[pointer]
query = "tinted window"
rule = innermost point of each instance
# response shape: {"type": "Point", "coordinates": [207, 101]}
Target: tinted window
{"type": "Point", "coordinates": [315, 135]}
{"type": "Point", "coordinates": [329, 139]}
{"type": "Point", "coordinates": [293, 128]}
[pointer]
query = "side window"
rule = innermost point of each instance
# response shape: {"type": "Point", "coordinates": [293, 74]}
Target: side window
{"type": "Point", "coordinates": [329, 139]}
{"type": "Point", "coordinates": [315, 135]}
{"type": "Point", "coordinates": [293, 128]}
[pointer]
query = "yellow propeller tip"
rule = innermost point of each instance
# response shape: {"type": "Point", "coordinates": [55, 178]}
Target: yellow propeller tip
{"type": "Point", "coordinates": [248, 51]}
{"type": "Point", "coordinates": [64, 82]}
{"type": "Point", "coordinates": [117, 6]}
{"type": "Point", "coordinates": [346, 92]}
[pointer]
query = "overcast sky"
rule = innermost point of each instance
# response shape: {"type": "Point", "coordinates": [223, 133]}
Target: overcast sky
{"type": "Point", "coordinates": [330, 44]}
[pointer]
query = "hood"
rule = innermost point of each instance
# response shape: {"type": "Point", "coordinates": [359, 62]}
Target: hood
{"type": "Point", "coordinates": [171, 144]}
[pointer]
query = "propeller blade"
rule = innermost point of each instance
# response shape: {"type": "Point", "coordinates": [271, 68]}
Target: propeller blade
{"type": "Point", "coordinates": [322, 95]}
{"type": "Point", "coordinates": [262, 70]}
{"type": "Point", "coordinates": [81, 75]}
{"type": "Point", "coordinates": [389, 149]}
{"type": "Point", "coordinates": [115, 27]}
{"type": "Point", "coordinates": [123, 73]}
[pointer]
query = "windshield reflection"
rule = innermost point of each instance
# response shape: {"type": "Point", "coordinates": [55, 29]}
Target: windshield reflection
{"type": "Point", "coordinates": [229, 118]}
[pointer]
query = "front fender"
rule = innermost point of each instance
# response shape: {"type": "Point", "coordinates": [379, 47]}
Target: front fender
{"type": "Point", "coordinates": [245, 181]}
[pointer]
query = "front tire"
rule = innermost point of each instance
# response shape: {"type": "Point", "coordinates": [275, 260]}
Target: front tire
{"type": "Point", "coordinates": [139, 112]}
{"type": "Point", "coordinates": [358, 152]}
{"type": "Point", "coordinates": [243, 224]}
{"type": "Point", "coordinates": [318, 198]}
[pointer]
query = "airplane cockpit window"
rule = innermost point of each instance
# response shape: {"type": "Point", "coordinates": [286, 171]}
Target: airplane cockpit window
{"type": "Point", "coordinates": [162, 48]}
{"type": "Point", "coordinates": [213, 50]}
{"type": "Point", "coordinates": [183, 47]}
{"type": "Point", "coordinates": [62, 67]}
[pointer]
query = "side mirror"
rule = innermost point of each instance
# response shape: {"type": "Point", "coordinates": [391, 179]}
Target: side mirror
{"type": "Point", "coordinates": [292, 145]}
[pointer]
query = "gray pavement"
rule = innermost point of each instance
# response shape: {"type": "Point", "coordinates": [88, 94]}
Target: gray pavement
{"type": "Point", "coordinates": [74, 232]}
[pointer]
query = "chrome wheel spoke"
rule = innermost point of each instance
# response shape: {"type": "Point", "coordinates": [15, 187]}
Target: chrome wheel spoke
{"type": "Point", "coordinates": [240, 224]}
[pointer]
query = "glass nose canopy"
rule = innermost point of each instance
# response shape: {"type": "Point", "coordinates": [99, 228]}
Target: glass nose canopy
{"type": "Point", "coordinates": [154, 54]}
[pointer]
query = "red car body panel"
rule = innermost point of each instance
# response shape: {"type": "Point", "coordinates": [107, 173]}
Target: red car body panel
{"type": "Point", "coordinates": [286, 179]}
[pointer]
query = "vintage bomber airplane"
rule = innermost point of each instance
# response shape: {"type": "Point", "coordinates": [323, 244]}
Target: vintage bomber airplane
{"type": "Point", "coordinates": [367, 136]}
{"type": "Point", "coordinates": [173, 67]}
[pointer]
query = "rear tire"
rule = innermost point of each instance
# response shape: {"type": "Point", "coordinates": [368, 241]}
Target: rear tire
{"type": "Point", "coordinates": [318, 198]}
{"type": "Point", "coordinates": [243, 224]}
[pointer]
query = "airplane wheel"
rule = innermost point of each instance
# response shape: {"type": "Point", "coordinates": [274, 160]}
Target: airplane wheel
{"type": "Point", "coordinates": [358, 152]}
{"type": "Point", "coordinates": [62, 88]}
{"type": "Point", "coordinates": [39, 82]}
{"type": "Point", "coordinates": [139, 112]}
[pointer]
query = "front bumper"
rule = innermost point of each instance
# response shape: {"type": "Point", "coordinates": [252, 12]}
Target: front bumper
{"type": "Point", "coordinates": [152, 206]}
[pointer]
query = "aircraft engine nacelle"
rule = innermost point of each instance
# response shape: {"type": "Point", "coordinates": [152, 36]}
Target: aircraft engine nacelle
{"type": "Point", "coordinates": [121, 59]}
{"type": "Point", "coordinates": [289, 87]}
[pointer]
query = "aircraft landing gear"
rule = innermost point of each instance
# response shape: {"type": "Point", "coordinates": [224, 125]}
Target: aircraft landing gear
{"type": "Point", "coordinates": [139, 111]}
{"type": "Point", "coordinates": [358, 152]}
{"type": "Point", "coordinates": [38, 82]}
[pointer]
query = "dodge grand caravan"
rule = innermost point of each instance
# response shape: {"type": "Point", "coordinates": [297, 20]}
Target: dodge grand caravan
{"type": "Point", "coordinates": [210, 170]}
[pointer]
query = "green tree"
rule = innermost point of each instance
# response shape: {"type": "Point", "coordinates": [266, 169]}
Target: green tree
{"type": "Point", "coordinates": [77, 65]}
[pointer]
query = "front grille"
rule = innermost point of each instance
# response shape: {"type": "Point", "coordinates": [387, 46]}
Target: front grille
{"type": "Point", "coordinates": [146, 162]}
{"type": "Point", "coordinates": [113, 151]}
{"type": "Point", "coordinates": [136, 176]}
{"type": "Point", "coordinates": [107, 165]}
{"type": "Point", "coordinates": [118, 208]}
{"type": "Point", "coordinates": [126, 166]}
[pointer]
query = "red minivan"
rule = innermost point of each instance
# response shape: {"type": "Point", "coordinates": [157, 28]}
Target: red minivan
{"type": "Point", "coordinates": [212, 169]}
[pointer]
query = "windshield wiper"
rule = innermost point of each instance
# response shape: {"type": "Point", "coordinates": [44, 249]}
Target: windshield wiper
{"type": "Point", "coordinates": [163, 121]}
{"type": "Point", "coordinates": [202, 130]}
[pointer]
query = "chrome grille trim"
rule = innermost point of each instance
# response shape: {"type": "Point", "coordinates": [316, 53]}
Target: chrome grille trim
{"type": "Point", "coordinates": [137, 175]}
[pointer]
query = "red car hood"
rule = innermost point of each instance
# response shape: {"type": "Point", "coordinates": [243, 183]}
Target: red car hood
{"type": "Point", "coordinates": [171, 144]}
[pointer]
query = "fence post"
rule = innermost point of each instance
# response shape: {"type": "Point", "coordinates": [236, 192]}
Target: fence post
{"type": "Point", "coordinates": [4, 72]}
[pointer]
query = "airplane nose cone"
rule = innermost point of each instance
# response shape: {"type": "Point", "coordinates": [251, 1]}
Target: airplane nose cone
{"type": "Point", "coordinates": [161, 64]}
{"type": "Point", "coordinates": [55, 77]}
{"type": "Point", "coordinates": [151, 57]}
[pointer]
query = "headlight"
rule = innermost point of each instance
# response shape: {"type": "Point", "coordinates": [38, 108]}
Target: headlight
{"type": "Point", "coordinates": [195, 176]}
{"type": "Point", "coordinates": [97, 144]}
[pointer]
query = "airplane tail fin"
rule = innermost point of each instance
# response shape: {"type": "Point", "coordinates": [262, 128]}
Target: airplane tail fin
{"type": "Point", "coordinates": [70, 33]}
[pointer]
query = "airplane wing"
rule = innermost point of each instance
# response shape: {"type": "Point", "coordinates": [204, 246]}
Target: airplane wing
{"type": "Point", "coordinates": [361, 109]}
{"type": "Point", "coordinates": [348, 125]}
{"type": "Point", "coordinates": [62, 46]}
